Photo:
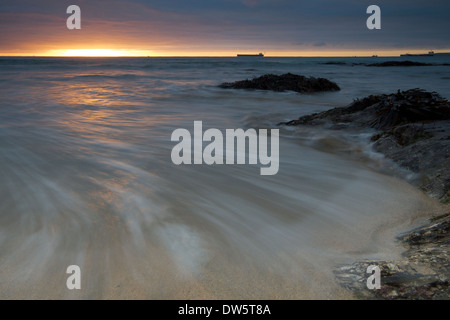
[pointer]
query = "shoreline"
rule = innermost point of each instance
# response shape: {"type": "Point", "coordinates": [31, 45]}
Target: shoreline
{"type": "Point", "coordinates": [416, 140]}
{"type": "Point", "coordinates": [422, 272]}
{"type": "Point", "coordinates": [140, 229]}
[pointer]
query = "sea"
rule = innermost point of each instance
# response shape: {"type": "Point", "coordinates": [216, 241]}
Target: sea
{"type": "Point", "coordinates": [87, 180]}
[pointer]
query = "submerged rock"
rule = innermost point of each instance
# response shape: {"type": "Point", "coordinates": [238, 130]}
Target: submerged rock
{"type": "Point", "coordinates": [284, 82]}
{"type": "Point", "coordinates": [413, 130]}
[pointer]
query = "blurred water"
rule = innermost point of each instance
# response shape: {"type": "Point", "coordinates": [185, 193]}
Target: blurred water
{"type": "Point", "coordinates": [87, 179]}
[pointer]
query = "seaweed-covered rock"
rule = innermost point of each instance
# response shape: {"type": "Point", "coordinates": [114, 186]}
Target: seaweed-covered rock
{"type": "Point", "coordinates": [400, 64]}
{"type": "Point", "coordinates": [284, 82]}
{"type": "Point", "coordinates": [422, 273]}
{"type": "Point", "coordinates": [338, 63]}
{"type": "Point", "coordinates": [385, 111]}
{"type": "Point", "coordinates": [423, 149]}
{"type": "Point", "coordinates": [413, 130]}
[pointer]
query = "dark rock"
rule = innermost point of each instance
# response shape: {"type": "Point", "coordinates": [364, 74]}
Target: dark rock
{"type": "Point", "coordinates": [413, 129]}
{"type": "Point", "coordinates": [284, 82]}
{"type": "Point", "coordinates": [385, 111]}
{"type": "Point", "coordinates": [422, 273]}
{"type": "Point", "coordinates": [422, 149]}
{"type": "Point", "coordinates": [339, 63]}
{"type": "Point", "coordinates": [438, 231]}
{"type": "Point", "coordinates": [405, 135]}
{"type": "Point", "coordinates": [399, 64]}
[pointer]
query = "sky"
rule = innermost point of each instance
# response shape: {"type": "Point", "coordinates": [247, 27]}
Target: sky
{"type": "Point", "coordinates": [223, 27]}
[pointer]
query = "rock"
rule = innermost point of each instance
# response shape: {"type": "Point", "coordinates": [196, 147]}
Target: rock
{"type": "Point", "coordinates": [339, 63]}
{"type": "Point", "coordinates": [413, 130]}
{"type": "Point", "coordinates": [399, 64]}
{"type": "Point", "coordinates": [427, 251]}
{"type": "Point", "coordinates": [284, 82]}
{"type": "Point", "coordinates": [385, 111]}
{"type": "Point", "coordinates": [437, 231]}
{"type": "Point", "coordinates": [386, 64]}
{"type": "Point", "coordinates": [405, 135]}
{"type": "Point", "coordinates": [423, 149]}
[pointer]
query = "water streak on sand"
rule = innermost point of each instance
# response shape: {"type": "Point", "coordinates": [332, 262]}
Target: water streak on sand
{"type": "Point", "coordinates": [87, 179]}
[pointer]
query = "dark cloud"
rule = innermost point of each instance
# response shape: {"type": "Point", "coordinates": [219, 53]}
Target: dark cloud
{"type": "Point", "coordinates": [271, 25]}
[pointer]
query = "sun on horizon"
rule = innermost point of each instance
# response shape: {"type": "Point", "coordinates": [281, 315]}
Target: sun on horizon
{"type": "Point", "coordinates": [97, 53]}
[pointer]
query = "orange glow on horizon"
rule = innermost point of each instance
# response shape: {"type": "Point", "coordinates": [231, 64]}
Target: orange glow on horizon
{"type": "Point", "coordinates": [96, 53]}
{"type": "Point", "coordinates": [216, 53]}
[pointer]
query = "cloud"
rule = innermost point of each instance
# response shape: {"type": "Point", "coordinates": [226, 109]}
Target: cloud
{"type": "Point", "coordinates": [282, 25]}
{"type": "Point", "coordinates": [255, 3]}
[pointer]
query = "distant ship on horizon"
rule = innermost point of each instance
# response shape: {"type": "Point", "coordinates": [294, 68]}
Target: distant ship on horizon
{"type": "Point", "coordinates": [250, 55]}
{"type": "Point", "coordinates": [429, 54]}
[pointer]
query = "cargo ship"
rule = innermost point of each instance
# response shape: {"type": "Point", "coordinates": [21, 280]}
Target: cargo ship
{"type": "Point", "coordinates": [250, 55]}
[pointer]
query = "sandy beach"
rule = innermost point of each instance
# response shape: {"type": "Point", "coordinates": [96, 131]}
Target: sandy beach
{"type": "Point", "coordinates": [87, 180]}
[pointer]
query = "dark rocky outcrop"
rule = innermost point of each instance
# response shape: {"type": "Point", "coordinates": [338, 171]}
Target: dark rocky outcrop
{"type": "Point", "coordinates": [385, 111]}
{"type": "Point", "coordinates": [421, 148]}
{"type": "Point", "coordinates": [400, 64]}
{"type": "Point", "coordinates": [413, 129]}
{"type": "Point", "coordinates": [422, 273]}
{"type": "Point", "coordinates": [403, 63]}
{"type": "Point", "coordinates": [338, 63]}
{"type": "Point", "coordinates": [284, 82]}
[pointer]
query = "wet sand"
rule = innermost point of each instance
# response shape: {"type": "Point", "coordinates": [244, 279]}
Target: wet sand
{"type": "Point", "coordinates": [205, 232]}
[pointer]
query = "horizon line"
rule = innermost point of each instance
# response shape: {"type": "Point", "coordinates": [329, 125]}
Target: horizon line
{"type": "Point", "coordinates": [128, 53]}
{"type": "Point", "coordinates": [202, 56]}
